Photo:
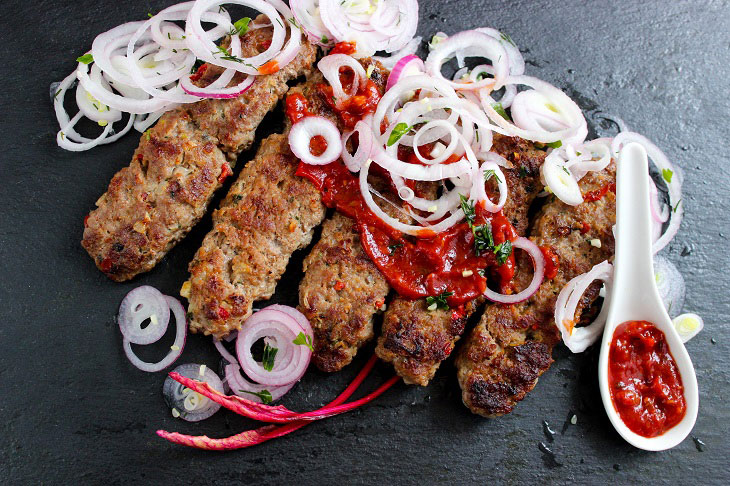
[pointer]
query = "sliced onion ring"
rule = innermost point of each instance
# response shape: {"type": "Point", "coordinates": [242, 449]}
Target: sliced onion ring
{"type": "Point", "coordinates": [175, 350]}
{"type": "Point", "coordinates": [577, 339]}
{"type": "Point", "coordinates": [304, 130]}
{"type": "Point", "coordinates": [291, 360]}
{"type": "Point", "coordinates": [189, 405]}
{"type": "Point", "coordinates": [140, 304]}
{"type": "Point", "coordinates": [688, 326]}
{"type": "Point", "coordinates": [538, 260]}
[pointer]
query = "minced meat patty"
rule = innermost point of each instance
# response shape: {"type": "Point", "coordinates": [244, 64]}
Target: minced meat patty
{"type": "Point", "coordinates": [511, 346]}
{"type": "Point", "coordinates": [154, 202]}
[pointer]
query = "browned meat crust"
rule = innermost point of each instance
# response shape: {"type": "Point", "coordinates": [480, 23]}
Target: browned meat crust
{"type": "Point", "coordinates": [267, 215]}
{"type": "Point", "coordinates": [340, 293]}
{"type": "Point", "coordinates": [511, 346]}
{"type": "Point", "coordinates": [179, 164]}
{"type": "Point", "coordinates": [417, 340]}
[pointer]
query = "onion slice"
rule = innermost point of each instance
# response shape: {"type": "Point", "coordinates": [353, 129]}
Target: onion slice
{"type": "Point", "coordinates": [301, 134]}
{"type": "Point", "coordinates": [577, 339]}
{"type": "Point", "coordinates": [538, 261]}
{"type": "Point", "coordinates": [175, 350]}
{"type": "Point", "coordinates": [186, 403]}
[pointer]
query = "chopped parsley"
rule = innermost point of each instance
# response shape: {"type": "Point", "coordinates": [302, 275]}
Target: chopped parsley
{"type": "Point", "coordinates": [667, 175]}
{"type": "Point", "coordinates": [468, 208]}
{"type": "Point", "coordinates": [503, 251]}
{"type": "Point", "coordinates": [438, 301]}
{"type": "Point", "coordinates": [150, 15]}
{"type": "Point", "coordinates": [676, 206]}
{"type": "Point", "coordinates": [240, 27]}
{"type": "Point", "coordinates": [264, 395]}
{"type": "Point", "coordinates": [230, 57]}
{"type": "Point", "coordinates": [483, 238]}
{"type": "Point", "coordinates": [557, 144]}
{"type": "Point", "coordinates": [269, 356]}
{"type": "Point", "coordinates": [523, 172]}
{"type": "Point", "coordinates": [86, 58]}
{"type": "Point", "coordinates": [324, 40]}
{"type": "Point", "coordinates": [482, 272]}
{"type": "Point", "coordinates": [565, 169]}
{"type": "Point", "coordinates": [507, 38]}
{"type": "Point", "coordinates": [237, 197]}
{"type": "Point", "coordinates": [501, 111]}
{"type": "Point", "coordinates": [55, 96]}
{"type": "Point", "coordinates": [398, 131]}
{"type": "Point", "coordinates": [147, 133]}
{"type": "Point", "coordinates": [393, 247]}
{"type": "Point", "coordinates": [304, 340]}
{"type": "Point", "coordinates": [489, 173]}
{"type": "Point", "coordinates": [294, 22]}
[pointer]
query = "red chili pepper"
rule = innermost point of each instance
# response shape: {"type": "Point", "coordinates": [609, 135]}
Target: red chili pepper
{"type": "Point", "coordinates": [225, 172]}
{"type": "Point", "coordinates": [199, 73]}
{"type": "Point", "coordinates": [223, 313]}
{"type": "Point", "coordinates": [339, 285]}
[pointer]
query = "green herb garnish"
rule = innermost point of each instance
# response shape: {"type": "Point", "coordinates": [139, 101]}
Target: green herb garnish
{"type": "Point", "coordinates": [393, 247]}
{"type": "Point", "coordinates": [398, 131]}
{"type": "Point", "coordinates": [557, 144]}
{"type": "Point", "coordinates": [229, 57]}
{"type": "Point", "coordinates": [483, 238]}
{"type": "Point", "coordinates": [489, 173]}
{"type": "Point", "coordinates": [86, 58]}
{"type": "Point", "coordinates": [503, 251]}
{"type": "Point", "coordinates": [147, 133]}
{"type": "Point", "coordinates": [468, 208]}
{"type": "Point", "coordinates": [324, 40]}
{"type": "Point", "coordinates": [667, 175]}
{"type": "Point", "coordinates": [501, 111]}
{"type": "Point", "coordinates": [269, 356]}
{"type": "Point", "coordinates": [264, 395]}
{"type": "Point", "coordinates": [438, 301]}
{"type": "Point", "coordinates": [304, 340]}
{"type": "Point", "coordinates": [240, 27]}
{"type": "Point", "coordinates": [674, 209]}
{"type": "Point", "coordinates": [506, 38]}
{"type": "Point", "coordinates": [565, 169]}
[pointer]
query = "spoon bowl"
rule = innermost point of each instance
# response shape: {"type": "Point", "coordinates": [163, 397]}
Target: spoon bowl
{"type": "Point", "coordinates": [635, 297]}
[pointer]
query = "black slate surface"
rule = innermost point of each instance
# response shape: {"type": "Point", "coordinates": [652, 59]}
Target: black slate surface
{"type": "Point", "coordinates": [73, 410]}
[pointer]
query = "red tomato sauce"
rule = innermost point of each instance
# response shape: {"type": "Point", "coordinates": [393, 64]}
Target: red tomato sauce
{"type": "Point", "coordinates": [644, 381]}
{"type": "Point", "coordinates": [415, 267]}
{"type": "Point", "coordinates": [591, 196]}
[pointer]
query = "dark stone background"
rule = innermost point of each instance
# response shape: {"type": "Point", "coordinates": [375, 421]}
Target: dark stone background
{"type": "Point", "coordinates": [73, 410]}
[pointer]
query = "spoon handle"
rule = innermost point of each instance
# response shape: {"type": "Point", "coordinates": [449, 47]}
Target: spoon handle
{"type": "Point", "coordinates": [634, 274]}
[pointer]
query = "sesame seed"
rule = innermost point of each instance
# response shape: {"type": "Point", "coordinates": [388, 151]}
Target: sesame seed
{"type": "Point", "coordinates": [595, 242]}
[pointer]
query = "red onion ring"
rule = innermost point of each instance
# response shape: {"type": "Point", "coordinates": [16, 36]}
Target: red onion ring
{"type": "Point", "coordinates": [175, 350]}
{"type": "Point", "coordinates": [406, 66]}
{"type": "Point", "coordinates": [291, 360]}
{"type": "Point", "coordinates": [538, 260]}
{"type": "Point", "coordinates": [304, 130]}
{"type": "Point", "coordinates": [140, 304]}
{"type": "Point", "coordinates": [190, 405]}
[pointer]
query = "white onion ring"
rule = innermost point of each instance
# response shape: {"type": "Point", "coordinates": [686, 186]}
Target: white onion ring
{"type": "Point", "coordinates": [364, 147]}
{"type": "Point", "coordinates": [560, 180]}
{"type": "Point", "coordinates": [175, 350]}
{"type": "Point", "coordinates": [470, 43]}
{"type": "Point", "coordinates": [330, 67]}
{"type": "Point", "coordinates": [538, 260]}
{"type": "Point", "coordinates": [579, 338]}
{"type": "Point", "coordinates": [302, 132]}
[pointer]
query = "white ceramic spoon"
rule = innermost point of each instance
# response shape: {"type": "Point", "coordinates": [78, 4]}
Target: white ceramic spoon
{"type": "Point", "coordinates": [635, 297]}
